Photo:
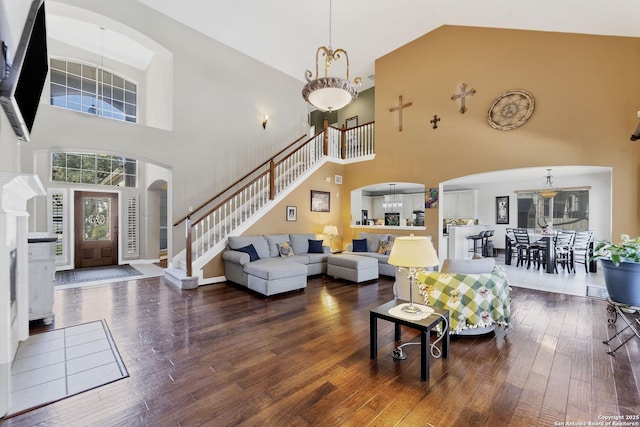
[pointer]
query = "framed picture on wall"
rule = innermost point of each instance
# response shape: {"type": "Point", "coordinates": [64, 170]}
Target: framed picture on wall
{"type": "Point", "coordinates": [292, 213]}
{"type": "Point", "coordinates": [502, 210]}
{"type": "Point", "coordinates": [320, 201]}
{"type": "Point", "coordinates": [431, 198]}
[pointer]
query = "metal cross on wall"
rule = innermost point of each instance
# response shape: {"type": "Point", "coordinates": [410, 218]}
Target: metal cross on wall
{"type": "Point", "coordinates": [435, 121]}
{"type": "Point", "coordinates": [399, 110]}
{"type": "Point", "coordinates": [462, 95]}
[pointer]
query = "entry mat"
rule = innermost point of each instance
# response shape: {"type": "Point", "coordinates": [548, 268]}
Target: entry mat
{"type": "Point", "coordinates": [597, 291]}
{"type": "Point", "coordinates": [90, 274]}
{"type": "Point", "coordinates": [55, 365]}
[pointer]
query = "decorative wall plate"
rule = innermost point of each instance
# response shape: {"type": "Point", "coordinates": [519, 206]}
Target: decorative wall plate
{"type": "Point", "coordinates": [510, 109]}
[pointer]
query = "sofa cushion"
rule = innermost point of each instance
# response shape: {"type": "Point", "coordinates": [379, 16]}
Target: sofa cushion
{"type": "Point", "coordinates": [249, 249]}
{"type": "Point", "coordinates": [273, 268]}
{"type": "Point", "coordinates": [468, 266]}
{"type": "Point", "coordinates": [317, 258]}
{"type": "Point", "coordinates": [315, 246]}
{"type": "Point", "coordinates": [285, 249]}
{"type": "Point", "coordinates": [373, 240]}
{"type": "Point", "coordinates": [385, 247]}
{"type": "Point", "coordinates": [273, 240]}
{"type": "Point", "coordinates": [300, 242]}
{"type": "Point", "coordinates": [359, 245]}
{"type": "Point", "coordinates": [258, 242]}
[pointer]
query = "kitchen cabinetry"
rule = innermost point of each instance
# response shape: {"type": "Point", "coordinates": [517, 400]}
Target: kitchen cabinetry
{"type": "Point", "coordinates": [42, 270]}
{"type": "Point", "coordinates": [459, 204]}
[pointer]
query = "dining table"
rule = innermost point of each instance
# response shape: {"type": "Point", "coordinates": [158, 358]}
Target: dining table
{"type": "Point", "coordinates": [545, 239]}
{"type": "Point", "coordinates": [541, 239]}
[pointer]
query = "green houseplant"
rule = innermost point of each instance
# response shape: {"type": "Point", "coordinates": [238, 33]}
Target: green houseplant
{"type": "Point", "coordinates": [621, 266]}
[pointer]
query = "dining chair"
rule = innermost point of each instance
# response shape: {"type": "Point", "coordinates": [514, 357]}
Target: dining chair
{"type": "Point", "coordinates": [582, 249]}
{"type": "Point", "coordinates": [525, 249]}
{"type": "Point", "coordinates": [563, 246]}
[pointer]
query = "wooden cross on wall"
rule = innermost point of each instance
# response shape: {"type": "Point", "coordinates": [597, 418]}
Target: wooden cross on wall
{"type": "Point", "coordinates": [399, 109]}
{"type": "Point", "coordinates": [462, 95]}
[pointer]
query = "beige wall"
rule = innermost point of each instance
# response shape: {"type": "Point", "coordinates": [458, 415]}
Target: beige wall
{"type": "Point", "coordinates": [586, 89]}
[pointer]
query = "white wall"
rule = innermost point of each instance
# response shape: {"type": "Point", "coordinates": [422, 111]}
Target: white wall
{"type": "Point", "coordinates": [219, 98]}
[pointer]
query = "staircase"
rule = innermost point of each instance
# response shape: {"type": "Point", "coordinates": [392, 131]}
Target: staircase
{"type": "Point", "coordinates": [232, 211]}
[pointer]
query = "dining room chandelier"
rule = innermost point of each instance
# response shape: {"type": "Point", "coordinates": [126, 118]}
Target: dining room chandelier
{"type": "Point", "coordinates": [330, 93]}
{"type": "Point", "coordinates": [548, 192]}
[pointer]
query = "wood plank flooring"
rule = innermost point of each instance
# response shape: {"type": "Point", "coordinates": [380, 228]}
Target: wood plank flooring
{"type": "Point", "coordinates": [221, 356]}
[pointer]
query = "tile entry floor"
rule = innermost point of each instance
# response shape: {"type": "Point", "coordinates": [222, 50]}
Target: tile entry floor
{"type": "Point", "coordinates": [53, 365]}
{"type": "Point", "coordinates": [563, 282]}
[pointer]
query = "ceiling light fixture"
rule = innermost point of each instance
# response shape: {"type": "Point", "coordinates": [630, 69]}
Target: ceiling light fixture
{"type": "Point", "coordinates": [548, 192]}
{"type": "Point", "coordinates": [330, 93]}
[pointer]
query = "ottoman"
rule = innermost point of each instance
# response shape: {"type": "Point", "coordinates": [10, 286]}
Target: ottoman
{"type": "Point", "coordinates": [352, 267]}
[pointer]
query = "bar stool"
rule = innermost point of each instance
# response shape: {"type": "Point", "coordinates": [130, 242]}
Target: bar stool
{"type": "Point", "coordinates": [477, 238]}
{"type": "Point", "coordinates": [485, 243]}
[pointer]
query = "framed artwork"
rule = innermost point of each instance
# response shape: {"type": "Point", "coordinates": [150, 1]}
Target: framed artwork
{"type": "Point", "coordinates": [320, 201]}
{"type": "Point", "coordinates": [502, 210]}
{"type": "Point", "coordinates": [351, 122]}
{"type": "Point", "coordinates": [431, 198]}
{"type": "Point", "coordinates": [292, 213]}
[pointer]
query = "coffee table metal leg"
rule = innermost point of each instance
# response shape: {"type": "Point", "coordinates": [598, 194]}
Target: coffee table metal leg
{"type": "Point", "coordinates": [398, 334]}
{"type": "Point", "coordinates": [373, 335]}
{"type": "Point", "coordinates": [424, 356]}
{"type": "Point", "coordinates": [445, 340]}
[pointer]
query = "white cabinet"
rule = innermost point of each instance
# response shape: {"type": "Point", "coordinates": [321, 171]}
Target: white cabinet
{"type": "Point", "coordinates": [459, 204]}
{"type": "Point", "coordinates": [42, 270]}
{"type": "Point", "coordinates": [377, 208]}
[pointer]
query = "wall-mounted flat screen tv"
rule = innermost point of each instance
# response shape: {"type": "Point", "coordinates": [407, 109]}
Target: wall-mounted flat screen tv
{"type": "Point", "coordinates": [20, 91]}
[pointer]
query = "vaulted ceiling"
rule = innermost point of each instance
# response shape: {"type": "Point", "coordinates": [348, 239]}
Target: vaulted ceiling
{"type": "Point", "coordinates": [286, 33]}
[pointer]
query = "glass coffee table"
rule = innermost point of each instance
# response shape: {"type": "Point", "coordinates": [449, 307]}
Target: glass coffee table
{"type": "Point", "coordinates": [423, 325]}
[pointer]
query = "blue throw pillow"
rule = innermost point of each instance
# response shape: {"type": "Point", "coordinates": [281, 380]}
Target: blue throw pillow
{"type": "Point", "coordinates": [253, 255]}
{"type": "Point", "coordinates": [315, 246]}
{"type": "Point", "coordinates": [359, 245]}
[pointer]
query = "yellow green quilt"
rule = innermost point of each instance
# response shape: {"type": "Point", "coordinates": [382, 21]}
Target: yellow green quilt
{"type": "Point", "coordinates": [473, 300]}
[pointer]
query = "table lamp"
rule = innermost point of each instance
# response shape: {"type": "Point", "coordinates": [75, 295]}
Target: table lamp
{"type": "Point", "coordinates": [412, 255]}
{"type": "Point", "coordinates": [330, 230]}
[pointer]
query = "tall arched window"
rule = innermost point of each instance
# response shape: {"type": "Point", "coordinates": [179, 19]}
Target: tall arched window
{"type": "Point", "coordinates": [92, 90]}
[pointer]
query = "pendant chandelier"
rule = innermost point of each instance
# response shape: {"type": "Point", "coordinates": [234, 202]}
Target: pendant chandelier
{"type": "Point", "coordinates": [548, 192]}
{"type": "Point", "coordinates": [330, 93]}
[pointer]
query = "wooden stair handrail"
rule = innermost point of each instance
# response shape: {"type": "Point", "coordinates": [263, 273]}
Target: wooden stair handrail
{"type": "Point", "coordinates": [231, 196]}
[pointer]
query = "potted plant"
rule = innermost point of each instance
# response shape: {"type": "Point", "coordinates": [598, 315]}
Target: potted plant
{"type": "Point", "coordinates": [621, 267]}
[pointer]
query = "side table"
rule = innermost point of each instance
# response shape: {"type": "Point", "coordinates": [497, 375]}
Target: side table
{"type": "Point", "coordinates": [424, 326]}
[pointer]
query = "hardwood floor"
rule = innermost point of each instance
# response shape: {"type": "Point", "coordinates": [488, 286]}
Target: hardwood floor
{"type": "Point", "coordinates": [221, 356]}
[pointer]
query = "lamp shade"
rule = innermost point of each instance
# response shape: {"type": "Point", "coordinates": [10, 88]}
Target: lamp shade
{"type": "Point", "coordinates": [413, 251]}
{"type": "Point", "coordinates": [330, 230]}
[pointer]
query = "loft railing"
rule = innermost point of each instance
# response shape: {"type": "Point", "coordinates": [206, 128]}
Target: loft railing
{"type": "Point", "coordinates": [209, 225]}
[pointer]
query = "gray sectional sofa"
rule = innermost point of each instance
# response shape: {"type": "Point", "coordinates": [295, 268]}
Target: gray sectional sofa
{"type": "Point", "coordinates": [269, 273]}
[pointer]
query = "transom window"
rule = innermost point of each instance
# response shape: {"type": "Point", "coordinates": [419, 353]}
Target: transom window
{"type": "Point", "coordinates": [92, 90]}
{"type": "Point", "coordinates": [92, 168]}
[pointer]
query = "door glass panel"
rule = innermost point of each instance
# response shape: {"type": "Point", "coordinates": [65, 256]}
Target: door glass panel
{"type": "Point", "coordinates": [96, 213]}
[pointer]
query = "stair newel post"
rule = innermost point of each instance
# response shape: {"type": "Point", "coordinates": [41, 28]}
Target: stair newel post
{"type": "Point", "coordinates": [188, 248]}
{"type": "Point", "coordinates": [325, 139]}
{"type": "Point", "coordinates": [343, 143]}
{"type": "Point", "coordinates": [272, 180]}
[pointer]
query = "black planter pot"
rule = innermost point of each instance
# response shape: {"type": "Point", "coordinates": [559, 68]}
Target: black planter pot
{"type": "Point", "coordinates": [623, 281]}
